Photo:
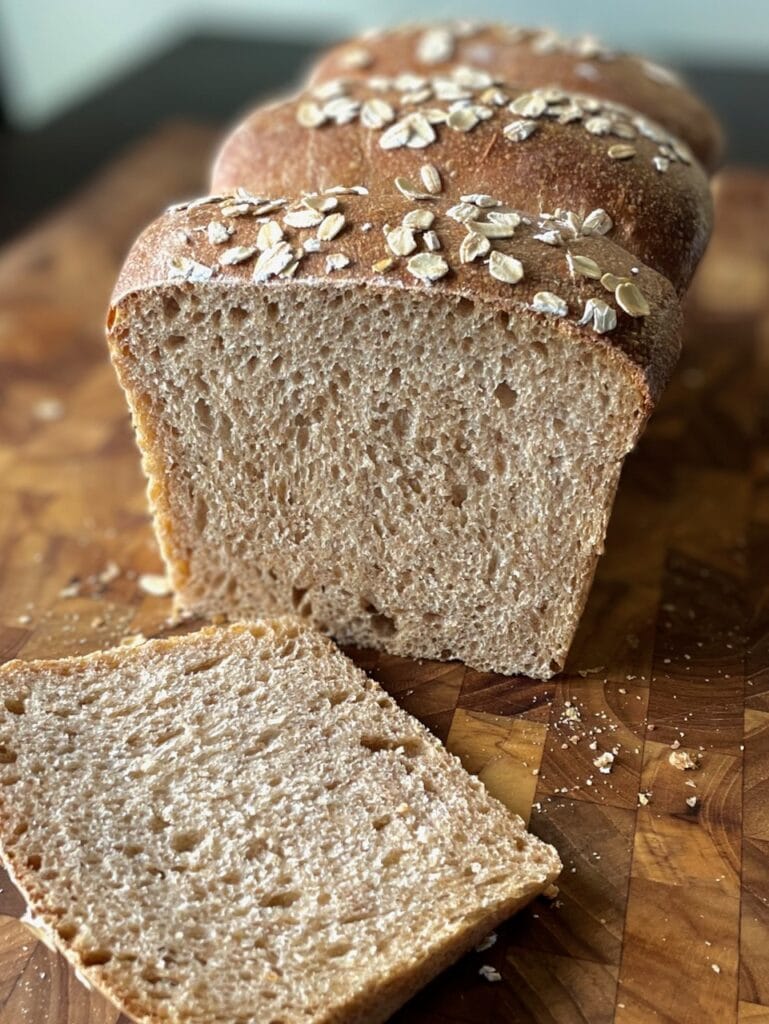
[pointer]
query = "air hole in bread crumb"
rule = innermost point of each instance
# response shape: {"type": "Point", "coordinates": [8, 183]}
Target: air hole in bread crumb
{"type": "Point", "coordinates": [66, 930]}
{"type": "Point", "coordinates": [171, 307]}
{"type": "Point", "coordinates": [505, 395]}
{"type": "Point", "coordinates": [237, 314]}
{"type": "Point", "coordinates": [280, 899]}
{"type": "Point", "coordinates": [10, 780]}
{"type": "Point", "coordinates": [458, 495]}
{"type": "Point", "coordinates": [95, 957]}
{"type": "Point", "coordinates": [202, 413]}
{"type": "Point", "coordinates": [232, 878]}
{"type": "Point", "coordinates": [203, 666]}
{"type": "Point", "coordinates": [465, 307]}
{"type": "Point", "coordinates": [174, 341]}
{"type": "Point", "coordinates": [337, 949]}
{"type": "Point", "coordinates": [382, 625]}
{"type": "Point", "coordinates": [34, 861]}
{"type": "Point", "coordinates": [7, 756]}
{"type": "Point", "coordinates": [15, 705]}
{"type": "Point", "coordinates": [555, 666]}
{"type": "Point", "coordinates": [392, 858]}
{"type": "Point", "coordinates": [381, 822]}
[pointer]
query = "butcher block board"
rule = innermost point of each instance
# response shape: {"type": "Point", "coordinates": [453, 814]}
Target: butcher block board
{"type": "Point", "coordinates": [663, 910]}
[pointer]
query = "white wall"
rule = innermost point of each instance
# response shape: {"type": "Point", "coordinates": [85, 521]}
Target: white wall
{"type": "Point", "coordinates": [56, 50]}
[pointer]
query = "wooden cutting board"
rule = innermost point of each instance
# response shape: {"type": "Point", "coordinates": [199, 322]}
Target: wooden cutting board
{"type": "Point", "coordinates": [663, 911]}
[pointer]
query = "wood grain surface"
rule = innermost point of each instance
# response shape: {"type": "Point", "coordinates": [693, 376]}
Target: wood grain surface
{"type": "Point", "coordinates": [663, 910]}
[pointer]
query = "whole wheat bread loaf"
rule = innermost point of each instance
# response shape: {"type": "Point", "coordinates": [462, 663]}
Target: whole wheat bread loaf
{"type": "Point", "coordinates": [532, 59]}
{"type": "Point", "coordinates": [386, 376]}
{"type": "Point", "coordinates": [238, 827]}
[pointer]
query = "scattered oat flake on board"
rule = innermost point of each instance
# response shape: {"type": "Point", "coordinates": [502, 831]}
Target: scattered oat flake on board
{"type": "Point", "coordinates": [155, 584]}
{"type": "Point", "coordinates": [486, 943]}
{"type": "Point", "coordinates": [681, 760]}
{"type": "Point", "coordinates": [604, 762]}
{"type": "Point", "coordinates": [48, 409]}
{"type": "Point", "coordinates": [691, 801]}
{"type": "Point", "coordinates": [552, 892]}
{"type": "Point", "coordinates": [490, 973]}
{"type": "Point", "coordinates": [644, 799]}
{"type": "Point", "coordinates": [715, 968]}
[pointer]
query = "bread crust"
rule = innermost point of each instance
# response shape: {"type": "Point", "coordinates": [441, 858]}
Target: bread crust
{"type": "Point", "coordinates": [533, 58]}
{"type": "Point", "coordinates": [663, 218]}
{"type": "Point", "coordinates": [648, 345]}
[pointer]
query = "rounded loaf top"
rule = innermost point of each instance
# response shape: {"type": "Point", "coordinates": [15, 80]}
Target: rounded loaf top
{"type": "Point", "coordinates": [544, 150]}
{"type": "Point", "coordinates": [533, 58]}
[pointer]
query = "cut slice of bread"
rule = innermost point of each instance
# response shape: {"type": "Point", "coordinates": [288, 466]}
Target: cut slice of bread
{"type": "Point", "coordinates": [238, 827]}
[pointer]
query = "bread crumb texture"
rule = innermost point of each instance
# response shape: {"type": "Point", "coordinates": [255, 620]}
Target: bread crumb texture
{"type": "Point", "coordinates": [238, 826]}
{"type": "Point", "coordinates": [405, 471]}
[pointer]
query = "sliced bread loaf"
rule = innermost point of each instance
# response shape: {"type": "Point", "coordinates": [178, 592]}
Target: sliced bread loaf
{"type": "Point", "coordinates": [417, 452]}
{"type": "Point", "coordinates": [238, 827]}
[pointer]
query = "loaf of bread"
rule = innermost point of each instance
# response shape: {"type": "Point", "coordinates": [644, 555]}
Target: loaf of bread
{"type": "Point", "coordinates": [386, 375]}
{"type": "Point", "coordinates": [532, 59]}
{"type": "Point", "coordinates": [237, 826]}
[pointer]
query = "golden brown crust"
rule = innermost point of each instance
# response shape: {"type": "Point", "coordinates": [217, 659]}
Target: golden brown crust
{"type": "Point", "coordinates": [657, 197]}
{"type": "Point", "coordinates": [176, 250]}
{"type": "Point", "coordinates": [531, 58]}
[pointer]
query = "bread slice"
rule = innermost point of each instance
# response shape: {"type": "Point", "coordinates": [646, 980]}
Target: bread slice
{"type": "Point", "coordinates": [422, 468]}
{"type": "Point", "coordinates": [238, 827]}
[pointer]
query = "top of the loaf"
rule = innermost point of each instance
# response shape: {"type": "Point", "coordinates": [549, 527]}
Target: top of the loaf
{"type": "Point", "coordinates": [421, 234]}
{"type": "Point", "coordinates": [532, 58]}
{"type": "Point", "coordinates": [539, 150]}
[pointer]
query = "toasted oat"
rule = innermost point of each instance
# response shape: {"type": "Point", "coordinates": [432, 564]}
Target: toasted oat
{"type": "Point", "coordinates": [427, 266]}
{"type": "Point", "coordinates": [505, 268]}
{"type": "Point", "coordinates": [419, 220]}
{"type": "Point", "coordinates": [310, 115]}
{"type": "Point", "coordinates": [431, 240]}
{"type": "Point", "coordinates": [182, 268]}
{"type": "Point", "coordinates": [519, 131]}
{"type": "Point", "coordinates": [401, 241]}
{"type": "Point", "coordinates": [406, 189]}
{"type": "Point", "coordinates": [304, 218]}
{"type": "Point", "coordinates": [431, 179]}
{"type": "Point", "coordinates": [583, 266]}
{"type": "Point", "coordinates": [491, 229]}
{"type": "Point", "coordinates": [548, 302]}
{"type": "Point", "coordinates": [463, 119]}
{"type": "Point", "coordinates": [621, 151]}
{"type": "Point", "coordinates": [336, 261]}
{"type": "Point", "coordinates": [473, 245]}
{"type": "Point", "coordinates": [218, 233]}
{"type": "Point", "coordinates": [602, 315]}
{"type": "Point", "coordinates": [383, 265]}
{"type": "Point", "coordinates": [376, 113]}
{"type": "Point", "coordinates": [269, 234]}
{"type": "Point", "coordinates": [611, 281]}
{"type": "Point", "coordinates": [273, 261]}
{"type": "Point", "coordinates": [630, 298]}
{"type": "Point", "coordinates": [237, 254]}
{"type": "Point", "coordinates": [598, 222]}
{"type": "Point", "coordinates": [330, 226]}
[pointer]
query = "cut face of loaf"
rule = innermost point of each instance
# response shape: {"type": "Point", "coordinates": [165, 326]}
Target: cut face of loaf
{"type": "Point", "coordinates": [238, 827]}
{"type": "Point", "coordinates": [427, 470]}
{"type": "Point", "coordinates": [532, 58]}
